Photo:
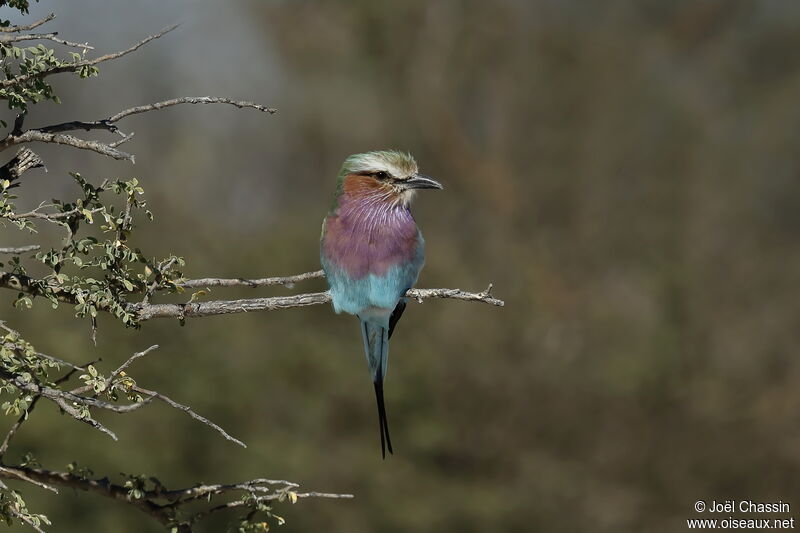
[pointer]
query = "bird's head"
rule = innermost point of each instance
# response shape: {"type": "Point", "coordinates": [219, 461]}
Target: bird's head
{"type": "Point", "coordinates": [390, 175]}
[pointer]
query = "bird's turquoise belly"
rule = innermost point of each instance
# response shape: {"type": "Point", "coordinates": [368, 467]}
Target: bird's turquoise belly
{"type": "Point", "coordinates": [371, 293]}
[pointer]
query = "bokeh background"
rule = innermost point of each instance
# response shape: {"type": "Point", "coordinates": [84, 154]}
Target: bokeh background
{"type": "Point", "coordinates": [627, 174]}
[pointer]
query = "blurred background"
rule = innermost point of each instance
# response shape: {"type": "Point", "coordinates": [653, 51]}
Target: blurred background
{"type": "Point", "coordinates": [627, 174]}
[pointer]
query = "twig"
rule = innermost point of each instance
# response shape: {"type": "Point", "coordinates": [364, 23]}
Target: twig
{"type": "Point", "coordinates": [44, 37]}
{"type": "Point", "coordinates": [26, 520]}
{"type": "Point", "coordinates": [146, 311]}
{"type": "Point", "coordinates": [200, 491]}
{"type": "Point", "coordinates": [456, 294]}
{"type": "Point", "coordinates": [78, 415]}
{"type": "Point", "coordinates": [47, 216]}
{"type": "Point", "coordinates": [13, 430]}
{"type": "Point", "coordinates": [64, 398]}
{"type": "Point", "coordinates": [248, 305]}
{"type": "Point", "coordinates": [188, 410]}
{"type": "Point", "coordinates": [19, 249]}
{"type": "Point", "coordinates": [162, 267]}
{"type": "Point", "coordinates": [74, 125]}
{"type": "Point", "coordinates": [190, 100]}
{"type": "Point", "coordinates": [24, 417]}
{"type": "Point", "coordinates": [25, 160]}
{"type": "Point", "coordinates": [69, 401]}
{"type": "Point", "coordinates": [242, 503]}
{"type": "Point", "coordinates": [16, 474]}
{"type": "Point", "coordinates": [124, 139]}
{"type": "Point", "coordinates": [150, 500]}
{"type": "Point", "coordinates": [126, 364]}
{"type": "Point", "coordinates": [287, 281]}
{"type": "Point", "coordinates": [67, 140]}
{"type": "Point", "coordinates": [224, 307]}
{"type": "Point", "coordinates": [13, 29]}
{"type": "Point", "coordinates": [110, 122]}
{"type": "Point", "coordinates": [52, 133]}
{"type": "Point", "coordinates": [99, 486]}
{"type": "Point", "coordinates": [72, 67]}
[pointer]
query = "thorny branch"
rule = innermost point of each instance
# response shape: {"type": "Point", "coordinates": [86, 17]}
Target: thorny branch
{"type": "Point", "coordinates": [164, 504]}
{"type": "Point", "coordinates": [168, 506]}
{"type": "Point", "coordinates": [25, 160]}
{"type": "Point", "coordinates": [287, 281]}
{"type": "Point", "coordinates": [44, 37]}
{"type": "Point", "coordinates": [19, 249]}
{"type": "Point", "coordinates": [24, 416]}
{"type": "Point", "coordinates": [146, 311]}
{"type": "Point", "coordinates": [28, 27]}
{"type": "Point", "coordinates": [74, 66]}
{"type": "Point", "coordinates": [52, 133]}
{"type": "Point", "coordinates": [55, 133]}
{"type": "Point", "coordinates": [67, 140]}
{"type": "Point", "coordinates": [79, 402]}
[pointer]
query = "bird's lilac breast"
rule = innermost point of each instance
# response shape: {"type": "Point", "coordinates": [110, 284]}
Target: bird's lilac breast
{"type": "Point", "coordinates": [370, 239]}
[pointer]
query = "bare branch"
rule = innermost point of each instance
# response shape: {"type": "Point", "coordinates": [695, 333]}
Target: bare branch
{"type": "Point", "coordinates": [17, 474]}
{"type": "Point", "coordinates": [150, 502]}
{"type": "Point", "coordinates": [200, 491]}
{"type": "Point", "coordinates": [99, 486]}
{"type": "Point", "coordinates": [225, 307]}
{"type": "Point", "coordinates": [125, 138]}
{"type": "Point", "coordinates": [74, 395]}
{"type": "Point", "coordinates": [243, 503]}
{"type": "Point", "coordinates": [126, 364]}
{"type": "Point", "coordinates": [19, 249]}
{"type": "Point", "coordinates": [52, 133]}
{"type": "Point", "coordinates": [67, 140]}
{"type": "Point", "coordinates": [68, 400]}
{"type": "Point", "coordinates": [188, 410]}
{"type": "Point", "coordinates": [109, 123]}
{"type": "Point", "coordinates": [248, 305]}
{"type": "Point", "coordinates": [456, 294]}
{"type": "Point", "coordinates": [190, 100]}
{"type": "Point", "coordinates": [146, 311]}
{"type": "Point", "coordinates": [76, 413]}
{"type": "Point", "coordinates": [25, 160]}
{"type": "Point", "coordinates": [14, 29]}
{"type": "Point", "coordinates": [80, 125]}
{"type": "Point", "coordinates": [44, 37]}
{"type": "Point", "coordinates": [287, 281]}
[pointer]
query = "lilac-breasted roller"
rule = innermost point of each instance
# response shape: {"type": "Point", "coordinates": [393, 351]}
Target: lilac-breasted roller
{"type": "Point", "coordinates": [372, 252]}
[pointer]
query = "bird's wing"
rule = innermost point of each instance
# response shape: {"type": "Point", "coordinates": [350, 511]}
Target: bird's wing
{"type": "Point", "coordinates": [396, 314]}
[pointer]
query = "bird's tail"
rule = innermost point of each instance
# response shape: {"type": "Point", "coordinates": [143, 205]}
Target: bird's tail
{"type": "Point", "coordinates": [376, 346]}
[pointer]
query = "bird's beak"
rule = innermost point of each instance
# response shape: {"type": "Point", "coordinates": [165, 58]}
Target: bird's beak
{"type": "Point", "coordinates": [421, 181]}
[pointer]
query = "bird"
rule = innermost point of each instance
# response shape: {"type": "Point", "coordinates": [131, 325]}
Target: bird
{"type": "Point", "coordinates": [372, 252]}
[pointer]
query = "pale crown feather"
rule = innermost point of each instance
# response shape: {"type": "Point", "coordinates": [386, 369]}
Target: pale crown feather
{"type": "Point", "coordinates": [399, 165]}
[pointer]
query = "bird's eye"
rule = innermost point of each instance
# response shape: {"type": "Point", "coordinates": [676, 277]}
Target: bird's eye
{"type": "Point", "coordinates": [381, 175]}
